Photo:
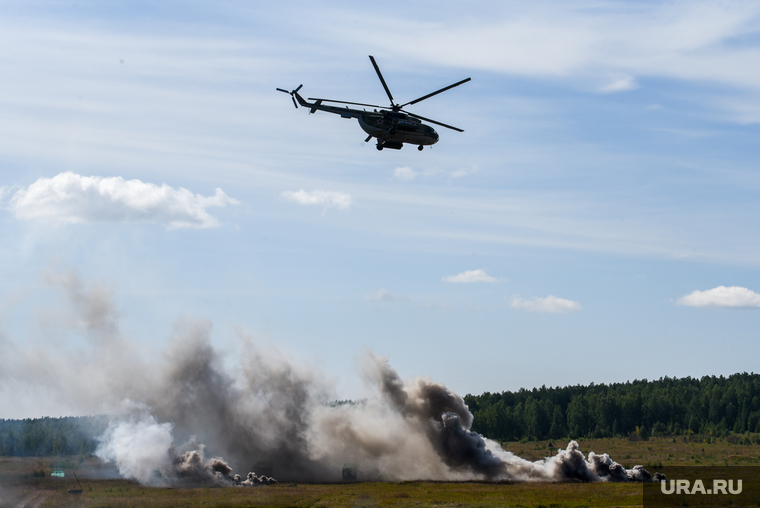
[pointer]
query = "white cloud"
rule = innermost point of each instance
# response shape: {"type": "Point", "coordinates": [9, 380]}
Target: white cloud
{"type": "Point", "coordinates": [620, 83]}
{"type": "Point", "coordinates": [470, 276]}
{"type": "Point", "coordinates": [319, 197]}
{"type": "Point", "coordinates": [382, 295]}
{"type": "Point", "coordinates": [405, 173]}
{"type": "Point", "coordinates": [72, 198]}
{"type": "Point", "coordinates": [547, 304]}
{"type": "Point", "coordinates": [722, 296]}
{"type": "Point", "coordinates": [433, 305]}
{"type": "Point", "coordinates": [459, 173]}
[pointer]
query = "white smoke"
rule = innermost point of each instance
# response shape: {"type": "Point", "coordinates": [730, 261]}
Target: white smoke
{"type": "Point", "coordinates": [267, 408]}
{"type": "Point", "coordinates": [143, 449]}
{"type": "Point", "coordinates": [139, 446]}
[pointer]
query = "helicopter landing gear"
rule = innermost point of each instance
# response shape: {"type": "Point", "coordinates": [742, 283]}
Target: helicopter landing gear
{"type": "Point", "coordinates": [391, 145]}
{"type": "Point", "coordinates": [420, 148]}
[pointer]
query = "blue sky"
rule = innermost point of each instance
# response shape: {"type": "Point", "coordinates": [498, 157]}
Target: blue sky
{"type": "Point", "coordinates": [608, 170]}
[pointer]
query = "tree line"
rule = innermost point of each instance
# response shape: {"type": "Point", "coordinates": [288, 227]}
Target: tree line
{"type": "Point", "coordinates": [667, 406]}
{"type": "Point", "coordinates": [46, 437]}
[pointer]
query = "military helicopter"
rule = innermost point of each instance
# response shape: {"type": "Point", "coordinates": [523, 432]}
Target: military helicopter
{"type": "Point", "coordinates": [391, 126]}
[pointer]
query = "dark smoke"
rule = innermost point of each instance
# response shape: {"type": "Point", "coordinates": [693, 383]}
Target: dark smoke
{"type": "Point", "coordinates": [173, 406]}
{"type": "Point", "coordinates": [459, 448]}
{"type": "Point", "coordinates": [443, 414]}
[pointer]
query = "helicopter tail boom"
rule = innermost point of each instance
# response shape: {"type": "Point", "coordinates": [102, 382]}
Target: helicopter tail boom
{"type": "Point", "coordinates": [318, 106]}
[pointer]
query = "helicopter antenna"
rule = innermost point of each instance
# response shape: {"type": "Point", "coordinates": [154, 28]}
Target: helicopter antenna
{"type": "Point", "coordinates": [292, 94]}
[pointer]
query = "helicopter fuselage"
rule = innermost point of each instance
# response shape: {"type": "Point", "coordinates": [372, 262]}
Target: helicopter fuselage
{"type": "Point", "coordinates": [391, 128]}
{"type": "Point", "coordinates": [397, 128]}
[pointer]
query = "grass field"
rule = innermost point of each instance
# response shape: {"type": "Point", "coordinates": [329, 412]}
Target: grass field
{"type": "Point", "coordinates": [666, 451]}
{"type": "Point", "coordinates": [20, 488]}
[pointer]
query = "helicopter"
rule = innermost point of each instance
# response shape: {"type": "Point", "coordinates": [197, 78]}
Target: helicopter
{"type": "Point", "coordinates": [391, 126]}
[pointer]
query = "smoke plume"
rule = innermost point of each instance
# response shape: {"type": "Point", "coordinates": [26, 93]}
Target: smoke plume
{"type": "Point", "coordinates": [175, 407]}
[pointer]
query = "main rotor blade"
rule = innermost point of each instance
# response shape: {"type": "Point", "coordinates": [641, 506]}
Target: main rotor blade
{"type": "Point", "coordinates": [415, 101]}
{"type": "Point", "coordinates": [345, 102]}
{"type": "Point", "coordinates": [380, 75]}
{"type": "Point", "coordinates": [280, 89]}
{"type": "Point", "coordinates": [433, 121]}
{"type": "Point", "coordinates": [294, 101]}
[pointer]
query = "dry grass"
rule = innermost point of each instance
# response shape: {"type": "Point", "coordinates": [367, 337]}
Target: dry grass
{"type": "Point", "coordinates": [18, 486]}
{"type": "Point", "coordinates": [679, 451]}
{"type": "Point", "coordinates": [122, 493]}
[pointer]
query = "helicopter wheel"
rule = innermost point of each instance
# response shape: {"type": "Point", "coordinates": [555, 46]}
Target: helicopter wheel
{"type": "Point", "coordinates": [379, 146]}
{"type": "Point", "coordinates": [420, 148]}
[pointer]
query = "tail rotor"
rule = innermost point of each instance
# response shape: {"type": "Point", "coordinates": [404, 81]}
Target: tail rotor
{"type": "Point", "coordinates": [292, 94]}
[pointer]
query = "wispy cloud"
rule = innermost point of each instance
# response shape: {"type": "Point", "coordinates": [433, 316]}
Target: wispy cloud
{"type": "Point", "coordinates": [433, 305]}
{"type": "Point", "coordinates": [459, 173]}
{"type": "Point", "coordinates": [382, 295]}
{"type": "Point", "coordinates": [72, 198]}
{"type": "Point", "coordinates": [620, 83]}
{"type": "Point", "coordinates": [470, 276]}
{"type": "Point", "coordinates": [722, 296]}
{"type": "Point", "coordinates": [545, 304]}
{"type": "Point", "coordinates": [687, 40]}
{"type": "Point", "coordinates": [405, 173]}
{"type": "Point", "coordinates": [328, 199]}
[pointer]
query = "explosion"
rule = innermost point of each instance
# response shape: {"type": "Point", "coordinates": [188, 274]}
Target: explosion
{"type": "Point", "coordinates": [173, 407]}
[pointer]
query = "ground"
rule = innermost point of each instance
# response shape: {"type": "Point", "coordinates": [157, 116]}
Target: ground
{"type": "Point", "coordinates": [20, 488]}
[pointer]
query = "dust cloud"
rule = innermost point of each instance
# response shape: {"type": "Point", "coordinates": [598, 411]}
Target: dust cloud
{"type": "Point", "coordinates": [188, 414]}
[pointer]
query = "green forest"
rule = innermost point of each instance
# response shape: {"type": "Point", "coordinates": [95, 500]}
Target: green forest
{"type": "Point", "coordinates": [668, 406]}
{"type": "Point", "coordinates": [47, 437]}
